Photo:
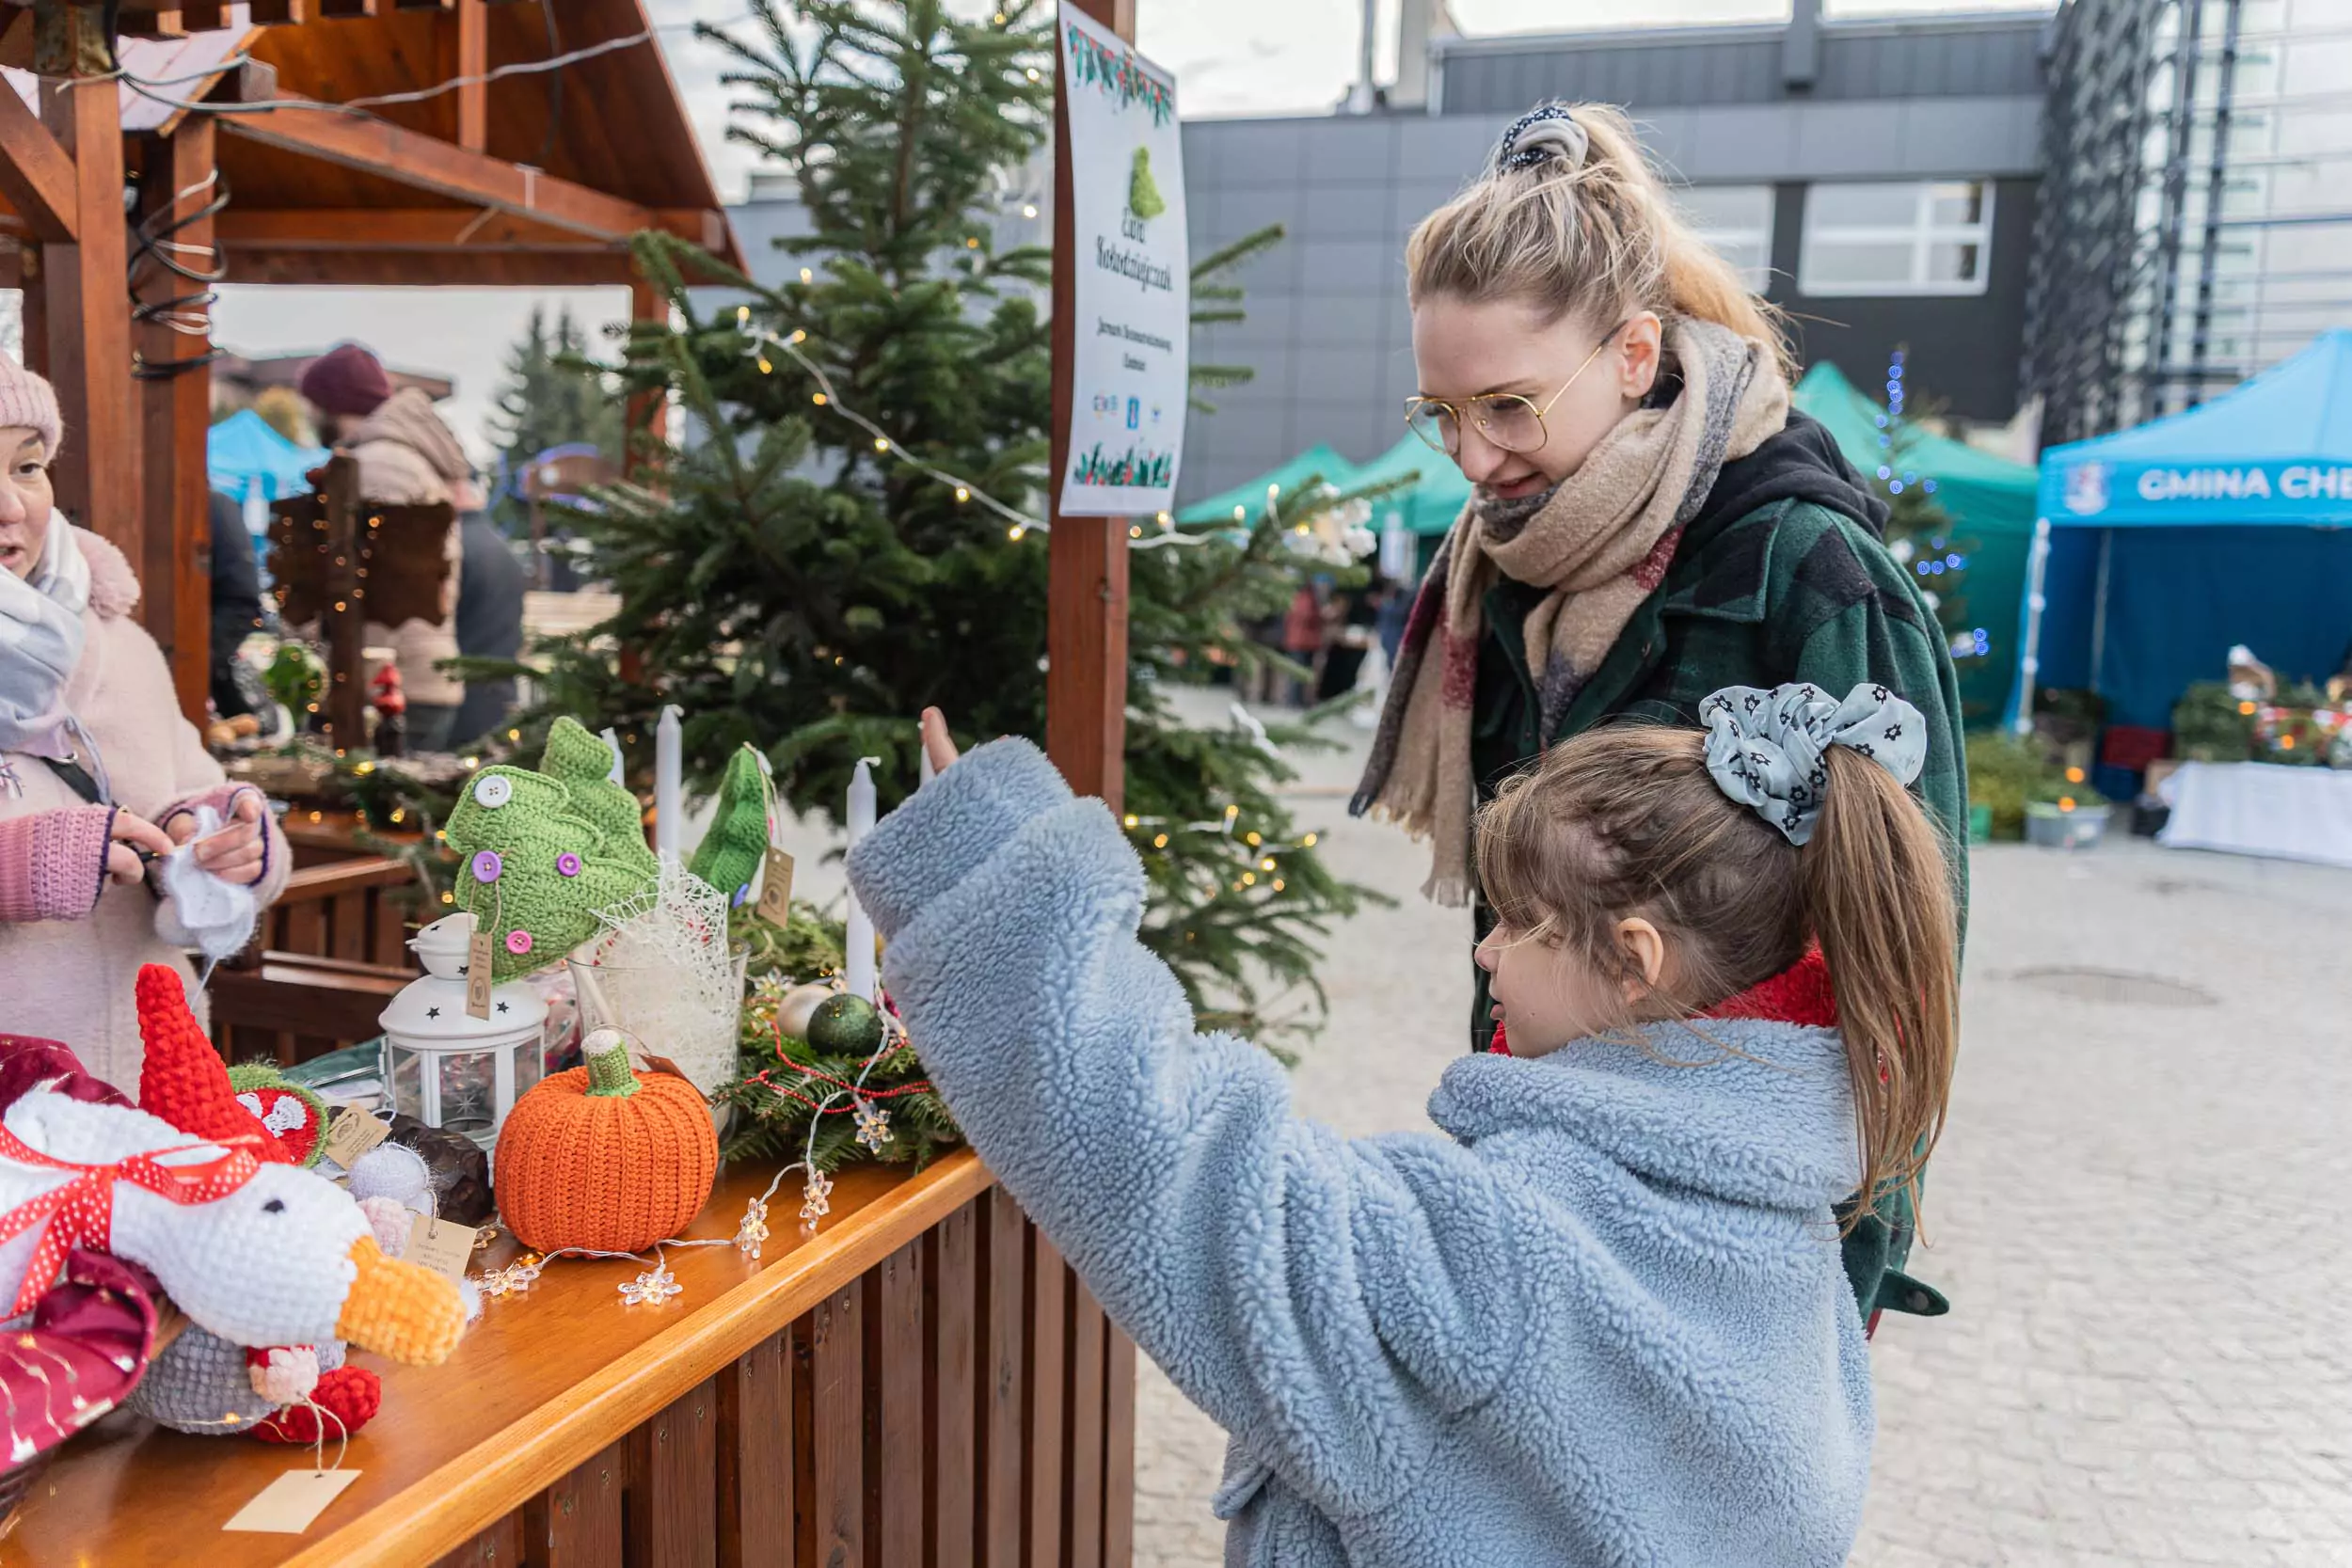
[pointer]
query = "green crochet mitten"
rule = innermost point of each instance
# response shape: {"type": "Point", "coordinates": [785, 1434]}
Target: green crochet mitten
{"type": "Point", "coordinates": [534, 868]}
{"type": "Point", "coordinates": [729, 856]}
{"type": "Point", "coordinates": [582, 763]}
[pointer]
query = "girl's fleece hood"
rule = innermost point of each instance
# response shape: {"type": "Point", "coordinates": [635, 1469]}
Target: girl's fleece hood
{"type": "Point", "coordinates": [1747, 1111]}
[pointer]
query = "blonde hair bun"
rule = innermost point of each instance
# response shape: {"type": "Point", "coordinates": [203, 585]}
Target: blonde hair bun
{"type": "Point", "coordinates": [1546, 134]}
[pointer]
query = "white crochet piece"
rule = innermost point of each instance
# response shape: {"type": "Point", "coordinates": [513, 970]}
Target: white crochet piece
{"type": "Point", "coordinates": [268, 1265]}
{"type": "Point", "coordinates": [667, 973]}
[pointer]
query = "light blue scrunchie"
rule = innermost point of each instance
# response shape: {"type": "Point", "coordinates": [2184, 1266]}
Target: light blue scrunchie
{"type": "Point", "coordinates": [1765, 749]}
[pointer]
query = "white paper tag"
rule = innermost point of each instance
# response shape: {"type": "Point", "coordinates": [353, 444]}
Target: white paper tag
{"type": "Point", "coordinates": [288, 1505]}
{"type": "Point", "coordinates": [442, 1245]}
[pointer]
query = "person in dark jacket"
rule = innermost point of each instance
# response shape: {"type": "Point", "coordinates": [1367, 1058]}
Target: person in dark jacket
{"type": "Point", "coordinates": [236, 603]}
{"type": "Point", "coordinates": [489, 618]}
{"type": "Point", "coordinates": [1650, 522]}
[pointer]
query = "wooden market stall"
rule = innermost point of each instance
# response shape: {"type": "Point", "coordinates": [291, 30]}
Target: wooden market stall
{"type": "Point", "coordinates": [919, 1379]}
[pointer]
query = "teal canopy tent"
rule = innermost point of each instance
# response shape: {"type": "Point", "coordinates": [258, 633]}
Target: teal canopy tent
{"type": "Point", "coordinates": [1991, 501]}
{"type": "Point", "coordinates": [1425, 505]}
{"type": "Point", "coordinates": [242, 450]}
{"type": "Point", "coordinates": [1249, 497]}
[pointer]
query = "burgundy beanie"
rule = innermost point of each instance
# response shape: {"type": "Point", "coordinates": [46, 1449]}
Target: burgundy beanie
{"type": "Point", "coordinates": [28, 401]}
{"type": "Point", "coordinates": [346, 380]}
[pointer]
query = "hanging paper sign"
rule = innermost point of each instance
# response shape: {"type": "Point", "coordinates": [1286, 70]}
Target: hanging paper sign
{"type": "Point", "coordinates": [1131, 294]}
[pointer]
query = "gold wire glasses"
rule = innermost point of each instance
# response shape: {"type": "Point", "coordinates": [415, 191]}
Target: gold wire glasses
{"type": "Point", "coordinates": [1509, 421]}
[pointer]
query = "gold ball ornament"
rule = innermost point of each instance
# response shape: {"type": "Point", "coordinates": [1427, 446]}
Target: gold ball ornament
{"type": "Point", "coordinates": [799, 1004]}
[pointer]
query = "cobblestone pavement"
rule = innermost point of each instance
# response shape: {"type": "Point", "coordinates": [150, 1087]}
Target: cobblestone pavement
{"type": "Point", "coordinates": [2137, 1212]}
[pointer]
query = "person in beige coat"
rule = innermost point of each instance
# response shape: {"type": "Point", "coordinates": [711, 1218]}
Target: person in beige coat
{"type": "Point", "coordinates": [101, 777]}
{"type": "Point", "coordinates": [406, 457]}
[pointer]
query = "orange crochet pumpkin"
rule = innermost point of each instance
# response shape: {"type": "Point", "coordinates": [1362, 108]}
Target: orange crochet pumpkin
{"type": "Point", "coordinates": [602, 1158]}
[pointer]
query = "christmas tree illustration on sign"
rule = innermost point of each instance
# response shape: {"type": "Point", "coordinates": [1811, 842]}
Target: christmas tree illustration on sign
{"type": "Point", "coordinates": [1143, 193]}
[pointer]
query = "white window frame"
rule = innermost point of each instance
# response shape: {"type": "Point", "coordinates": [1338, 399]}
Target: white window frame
{"type": "Point", "coordinates": [1922, 234]}
{"type": "Point", "coordinates": [1760, 276]}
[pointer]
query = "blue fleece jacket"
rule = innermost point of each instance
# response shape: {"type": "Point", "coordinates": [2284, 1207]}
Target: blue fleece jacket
{"type": "Point", "coordinates": [1605, 1323]}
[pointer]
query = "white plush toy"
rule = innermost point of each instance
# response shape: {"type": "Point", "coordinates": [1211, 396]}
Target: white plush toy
{"type": "Point", "coordinates": [260, 1254]}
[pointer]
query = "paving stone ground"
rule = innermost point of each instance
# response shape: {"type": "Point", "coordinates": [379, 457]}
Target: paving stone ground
{"type": "Point", "coordinates": [2139, 1212]}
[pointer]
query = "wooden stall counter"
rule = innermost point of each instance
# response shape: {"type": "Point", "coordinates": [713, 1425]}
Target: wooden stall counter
{"type": "Point", "coordinates": [921, 1381]}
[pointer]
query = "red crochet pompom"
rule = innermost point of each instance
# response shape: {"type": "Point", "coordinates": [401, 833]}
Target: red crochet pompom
{"type": "Point", "coordinates": [351, 1394]}
{"type": "Point", "coordinates": [184, 1079]}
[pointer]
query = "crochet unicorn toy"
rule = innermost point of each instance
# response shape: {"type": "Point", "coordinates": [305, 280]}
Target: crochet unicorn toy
{"type": "Point", "coordinates": [257, 1252]}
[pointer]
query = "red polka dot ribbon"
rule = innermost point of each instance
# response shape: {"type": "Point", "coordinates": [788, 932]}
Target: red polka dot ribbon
{"type": "Point", "coordinates": [81, 1213]}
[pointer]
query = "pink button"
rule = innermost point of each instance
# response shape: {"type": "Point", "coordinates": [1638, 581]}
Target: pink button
{"type": "Point", "coordinates": [518, 942]}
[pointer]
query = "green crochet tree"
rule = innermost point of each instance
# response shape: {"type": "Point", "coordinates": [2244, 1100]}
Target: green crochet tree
{"type": "Point", "coordinates": [539, 853]}
{"type": "Point", "coordinates": [731, 851]}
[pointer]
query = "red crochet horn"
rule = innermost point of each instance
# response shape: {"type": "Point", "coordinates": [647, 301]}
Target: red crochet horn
{"type": "Point", "coordinates": [183, 1079]}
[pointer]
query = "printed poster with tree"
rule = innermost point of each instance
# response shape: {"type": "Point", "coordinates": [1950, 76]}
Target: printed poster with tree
{"type": "Point", "coordinates": [1132, 290]}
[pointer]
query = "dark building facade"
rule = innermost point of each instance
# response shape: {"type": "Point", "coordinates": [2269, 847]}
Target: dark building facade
{"type": "Point", "coordinates": [1877, 180]}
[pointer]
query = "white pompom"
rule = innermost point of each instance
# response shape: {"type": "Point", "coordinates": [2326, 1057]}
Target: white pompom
{"type": "Point", "coordinates": [288, 1374]}
{"type": "Point", "coordinates": [394, 1171]}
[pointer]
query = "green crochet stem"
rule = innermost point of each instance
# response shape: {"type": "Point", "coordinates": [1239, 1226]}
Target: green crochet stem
{"type": "Point", "coordinates": [609, 1076]}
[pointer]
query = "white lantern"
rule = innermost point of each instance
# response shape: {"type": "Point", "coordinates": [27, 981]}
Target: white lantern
{"type": "Point", "coordinates": [442, 1065]}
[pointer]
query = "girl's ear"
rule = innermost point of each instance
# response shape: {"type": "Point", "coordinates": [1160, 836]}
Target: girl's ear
{"type": "Point", "coordinates": [1637, 360]}
{"type": "Point", "coordinates": [1644, 949]}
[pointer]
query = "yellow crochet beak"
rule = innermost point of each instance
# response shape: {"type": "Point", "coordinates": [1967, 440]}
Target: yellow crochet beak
{"type": "Point", "coordinates": [402, 1310]}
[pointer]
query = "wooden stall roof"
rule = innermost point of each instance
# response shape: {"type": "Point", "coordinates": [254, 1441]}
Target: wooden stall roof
{"type": "Point", "coordinates": [537, 177]}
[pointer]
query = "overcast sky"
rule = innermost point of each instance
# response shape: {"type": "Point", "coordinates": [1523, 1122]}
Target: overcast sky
{"type": "Point", "coordinates": [1230, 56]}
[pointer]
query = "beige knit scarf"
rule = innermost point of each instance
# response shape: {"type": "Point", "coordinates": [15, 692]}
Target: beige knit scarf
{"type": "Point", "coordinates": [1600, 542]}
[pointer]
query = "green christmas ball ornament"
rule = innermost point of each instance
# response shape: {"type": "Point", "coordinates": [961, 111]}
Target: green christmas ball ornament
{"type": "Point", "coordinates": [846, 1026]}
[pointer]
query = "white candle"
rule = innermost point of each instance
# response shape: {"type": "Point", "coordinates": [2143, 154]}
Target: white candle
{"type": "Point", "coordinates": [859, 956]}
{"type": "Point", "coordinates": [669, 807]}
{"type": "Point", "coordinates": [614, 742]}
{"type": "Point", "coordinates": [924, 751]}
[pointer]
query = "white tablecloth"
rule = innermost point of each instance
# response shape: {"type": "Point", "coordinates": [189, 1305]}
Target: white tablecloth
{"type": "Point", "coordinates": [2258, 808]}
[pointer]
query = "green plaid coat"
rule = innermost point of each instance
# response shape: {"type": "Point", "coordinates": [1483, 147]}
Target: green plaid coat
{"type": "Point", "coordinates": [1791, 591]}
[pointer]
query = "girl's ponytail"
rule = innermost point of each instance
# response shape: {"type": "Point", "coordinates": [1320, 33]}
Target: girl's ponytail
{"type": "Point", "coordinates": [1587, 228]}
{"type": "Point", "coordinates": [1878, 897]}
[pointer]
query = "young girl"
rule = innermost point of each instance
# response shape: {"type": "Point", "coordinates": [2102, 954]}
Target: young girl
{"type": "Point", "coordinates": [1606, 1320]}
{"type": "Point", "coordinates": [1650, 519]}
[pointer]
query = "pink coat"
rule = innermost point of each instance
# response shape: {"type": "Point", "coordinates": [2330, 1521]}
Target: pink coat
{"type": "Point", "coordinates": [71, 945]}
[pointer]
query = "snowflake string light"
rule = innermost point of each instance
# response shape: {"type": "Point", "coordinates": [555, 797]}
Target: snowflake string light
{"type": "Point", "coordinates": [873, 1125]}
{"type": "Point", "coordinates": [767, 991]}
{"type": "Point", "coordinates": [753, 1233]}
{"type": "Point", "coordinates": [512, 1280]}
{"type": "Point", "coordinates": [816, 1197]}
{"type": "Point", "coordinates": [652, 1288]}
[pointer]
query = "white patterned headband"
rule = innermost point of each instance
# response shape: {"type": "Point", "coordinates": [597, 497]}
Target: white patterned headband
{"type": "Point", "coordinates": [1766, 749]}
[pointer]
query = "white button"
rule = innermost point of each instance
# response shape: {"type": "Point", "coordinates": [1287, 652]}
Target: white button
{"type": "Point", "coordinates": [493, 790]}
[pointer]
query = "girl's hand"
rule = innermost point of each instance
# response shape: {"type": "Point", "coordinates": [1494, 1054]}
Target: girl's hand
{"type": "Point", "coordinates": [131, 834]}
{"type": "Point", "coordinates": [234, 853]}
{"type": "Point", "coordinates": [937, 744]}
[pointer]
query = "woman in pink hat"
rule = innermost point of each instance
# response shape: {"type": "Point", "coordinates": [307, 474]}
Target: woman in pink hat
{"type": "Point", "coordinates": [101, 779]}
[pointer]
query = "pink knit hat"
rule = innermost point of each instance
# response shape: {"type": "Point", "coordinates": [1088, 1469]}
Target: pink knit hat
{"type": "Point", "coordinates": [346, 379]}
{"type": "Point", "coordinates": [27, 400]}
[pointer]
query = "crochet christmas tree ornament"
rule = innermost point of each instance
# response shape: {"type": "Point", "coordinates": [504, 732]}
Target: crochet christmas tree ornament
{"type": "Point", "coordinates": [350, 1396]}
{"type": "Point", "coordinates": [600, 1158]}
{"type": "Point", "coordinates": [731, 851]}
{"type": "Point", "coordinates": [183, 1079]}
{"type": "Point", "coordinates": [292, 1112]}
{"type": "Point", "coordinates": [542, 851]}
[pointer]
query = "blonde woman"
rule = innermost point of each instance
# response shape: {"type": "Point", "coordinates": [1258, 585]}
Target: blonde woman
{"type": "Point", "coordinates": [1649, 520]}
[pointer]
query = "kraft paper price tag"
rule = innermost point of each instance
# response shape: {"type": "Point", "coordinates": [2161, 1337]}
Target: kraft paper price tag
{"type": "Point", "coordinates": [775, 892]}
{"type": "Point", "coordinates": [288, 1505]}
{"type": "Point", "coordinates": [441, 1245]}
{"type": "Point", "coordinates": [481, 957]}
{"type": "Point", "coordinates": [353, 1133]}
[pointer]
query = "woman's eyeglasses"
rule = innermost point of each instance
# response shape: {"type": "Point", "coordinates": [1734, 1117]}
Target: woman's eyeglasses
{"type": "Point", "coordinates": [1508, 420]}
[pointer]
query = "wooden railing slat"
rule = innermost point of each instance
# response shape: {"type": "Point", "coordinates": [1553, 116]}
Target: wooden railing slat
{"type": "Point", "coordinates": [1045, 1462]}
{"type": "Point", "coordinates": [1118, 1452]}
{"type": "Point", "coordinates": [577, 1522]}
{"type": "Point", "coordinates": [951, 1362]}
{"type": "Point", "coordinates": [1005, 1288]}
{"type": "Point", "coordinates": [1082, 1524]}
{"type": "Point", "coordinates": [894, 1409]}
{"type": "Point", "coordinates": [831, 1509]}
{"type": "Point", "coordinates": [755, 1457]}
{"type": "Point", "coordinates": [674, 1508]}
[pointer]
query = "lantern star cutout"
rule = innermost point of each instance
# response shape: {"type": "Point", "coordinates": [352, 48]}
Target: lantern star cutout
{"type": "Point", "coordinates": [652, 1288]}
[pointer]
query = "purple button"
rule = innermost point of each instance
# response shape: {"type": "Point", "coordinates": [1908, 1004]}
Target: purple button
{"type": "Point", "coordinates": [567, 864]}
{"type": "Point", "coordinates": [486, 866]}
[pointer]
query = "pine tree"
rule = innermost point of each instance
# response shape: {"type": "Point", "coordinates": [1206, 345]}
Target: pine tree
{"type": "Point", "coordinates": [802, 581]}
{"type": "Point", "coordinates": [553, 395]}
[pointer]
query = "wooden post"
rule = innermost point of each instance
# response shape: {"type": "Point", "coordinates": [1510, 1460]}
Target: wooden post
{"type": "Point", "coordinates": [473, 61]}
{"type": "Point", "coordinates": [175, 574]}
{"type": "Point", "coordinates": [343, 620]}
{"type": "Point", "coordinates": [1086, 617]}
{"type": "Point", "coordinates": [648, 411]}
{"type": "Point", "coordinates": [89, 315]}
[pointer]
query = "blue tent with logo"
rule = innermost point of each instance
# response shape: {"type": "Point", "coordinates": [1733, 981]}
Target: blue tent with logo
{"type": "Point", "coordinates": [242, 450]}
{"type": "Point", "coordinates": [2158, 547]}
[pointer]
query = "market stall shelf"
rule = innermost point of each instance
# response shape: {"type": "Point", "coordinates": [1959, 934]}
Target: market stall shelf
{"type": "Point", "coordinates": [921, 1381]}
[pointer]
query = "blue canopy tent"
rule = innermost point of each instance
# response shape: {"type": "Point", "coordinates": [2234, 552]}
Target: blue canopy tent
{"type": "Point", "coordinates": [242, 451]}
{"type": "Point", "coordinates": [2160, 547]}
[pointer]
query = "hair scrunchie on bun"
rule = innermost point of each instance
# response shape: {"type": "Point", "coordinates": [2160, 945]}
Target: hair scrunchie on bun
{"type": "Point", "coordinates": [1541, 136]}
